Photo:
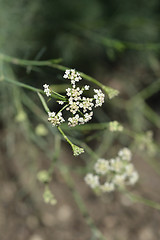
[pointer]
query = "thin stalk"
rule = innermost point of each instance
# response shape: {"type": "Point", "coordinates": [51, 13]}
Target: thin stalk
{"type": "Point", "coordinates": [56, 95]}
{"type": "Point", "coordinates": [65, 137]}
{"type": "Point", "coordinates": [117, 44]}
{"type": "Point", "coordinates": [59, 95]}
{"type": "Point", "coordinates": [139, 199]}
{"type": "Point", "coordinates": [151, 115]}
{"type": "Point", "coordinates": [148, 91]}
{"type": "Point", "coordinates": [23, 62]}
{"type": "Point", "coordinates": [110, 91]}
{"type": "Point", "coordinates": [79, 201]}
{"type": "Point", "coordinates": [43, 102]}
{"type": "Point", "coordinates": [57, 148]}
{"type": "Point", "coordinates": [76, 150]}
{"type": "Point", "coordinates": [63, 108]}
{"type": "Point", "coordinates": [23, 85]}
{"type": "Point", "coordinates": [89, 126]}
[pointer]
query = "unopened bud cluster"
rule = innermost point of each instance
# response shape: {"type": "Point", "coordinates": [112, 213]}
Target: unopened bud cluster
{"type": "Point", "coordinates": [115, 127]}
{"type": "Point", "coordinates": [113, 174]}
{"type": "Point", "coordinates": [48, 196]}
{"type": "Point", "coordinates": [75, 102]}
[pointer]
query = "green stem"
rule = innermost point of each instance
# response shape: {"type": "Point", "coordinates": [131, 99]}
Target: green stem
{"type": "Point", "coordinates": [43, 102]}
{"type": "Point", "coordinates": [23, 85]}
{"type": "Point", "coordinates": [81, 115]}
{"type": "Point", "coordinates": [76, 150]}
{"type": "Point", "coordinates": [23, 62]}
{"type": "Point", "coordinates": [110, 91]}
{"type": "Point", "coordinates": [63, 108]}
{"type": "Point", "coordinates": [59, 95]}
{"type": "Point", "coordinates": [79, 201]}
{"type": "Point", "coordinates": [151, 115]}
{"type": "Point", "coordinates": [65, 137]}
{"type": "Point", "coordinates": [89, 126]}
{"type": "Point", "coordinates": [57, 147]}
{"type": "Point", "coordinates": [148, 91]}
{"type": "Point", "coordinates": [119, 45]}
{"type": "Point", "coordinates": [138, 199]}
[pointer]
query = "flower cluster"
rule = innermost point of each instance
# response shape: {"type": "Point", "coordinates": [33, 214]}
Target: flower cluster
{"type": "Point", "coordinates": [77, 150]}
{"type": "Point", "coordinates": [72, 75]}
{"type": "Point", "coordinates": [113, 174]}
{"type": "Point", "coordinates": [43, 176]}
{"type": "Point", "coordinates": [99, 97]}
{"type": "Point", "coordinates": [47, 90]}
{"type": "Point", "coordinates": [144, 142]}
{"type": "Point", "coordinates": [80, 106]}
{"type": "Point", "coordinates": [48, 196]}
{"type": "Point", "coordinates": [115, 127]}
{"type": "Point", "coordinates": [55, 119]}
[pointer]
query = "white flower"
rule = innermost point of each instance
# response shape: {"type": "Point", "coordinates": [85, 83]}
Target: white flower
{"type": "Point", "coordinates": [77, 150]}
{"type": "Point", "coordinates": [86, 104]}
{"type": "Point", "coordinates": [47, 90]}
{"type": "Point", "coordinates": [75, 102]}
{"type": "Point", "coordinates": [116, 164]}
{"type": "Point", "coordinates": [115, 173]}
{"type": "Point", "coordinates": [51, 114]}
{"type": "Point", "coordinates": [55, 119]}
{"type": "Point", "coordinates": [73, 107]}
{"type": "Point", "coordinates": [119, 180]}
{"type": "Point", "coordinates": [129, 169]}
{"type": "Point", "coordinates": [92, 180]}
{"type": "Point", "coordinates": [101, 166]}
{"type": "Point", "coordinates": [133, 178]}
{"type": "Point", "coordinates": [99, 97]}
{"type": "Point", "coordinates": [107, 187]}
{"type": "Point", "coordinates": [75, 93]}
{"type": "Point", "coordinates": [45, 85]}
{"type": "Point", "coordinates": [73, 121]}
{"type": "Point", "coordinates": [60, 102]}
{"type": "Point", "coordinates": [81, 120]}
{"type": "Point", "coordinates": [86, 87]}
{"type": "Point", "coordinates": [72, 75]}
{"type": "Point", "coordinates": [115, 126]}
{"type": "Point", "coordinates": [68, 90]}
{"type": "Point", "coordinates": [88, 116]}
{"type": "Point", "coordinates": [125, 154]}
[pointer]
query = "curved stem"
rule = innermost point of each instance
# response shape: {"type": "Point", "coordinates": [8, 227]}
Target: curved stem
{"type": "Point", "coordinates": [139, 199]}
{"type": "Point", "coordinates": [66, 138]}
{"type": "Point", "coordinates": [23, 62]}
{"type": "Point", "coordinates": [23, 85]}
{"type": "Point", "coordinates": [79, 202]}
{"type": "Point", "coordinates": [51, 63]}
{"type": "Point", "coordinates": [59, 95]}
{"type": "Point", "coordinates": [63, 108]}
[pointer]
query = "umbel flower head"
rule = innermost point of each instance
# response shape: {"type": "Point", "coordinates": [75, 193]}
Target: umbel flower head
{"type": "Point", "coordinates": [113, 174]}
{"type": "Point", "coordinates": [75, 102]}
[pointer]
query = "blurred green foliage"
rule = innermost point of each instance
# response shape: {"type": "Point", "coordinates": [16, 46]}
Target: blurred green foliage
{"type": "Point", "coordinates": [80, 32]}
{"type": "Point", "coordinates": [116, 42]}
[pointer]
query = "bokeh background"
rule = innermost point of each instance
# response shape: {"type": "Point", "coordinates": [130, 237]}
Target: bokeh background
{"type": "Point", "coordinates": [116, 42]}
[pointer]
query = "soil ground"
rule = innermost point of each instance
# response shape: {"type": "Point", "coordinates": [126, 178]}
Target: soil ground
{"type": "Point", "coordinates": [24, 215]}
